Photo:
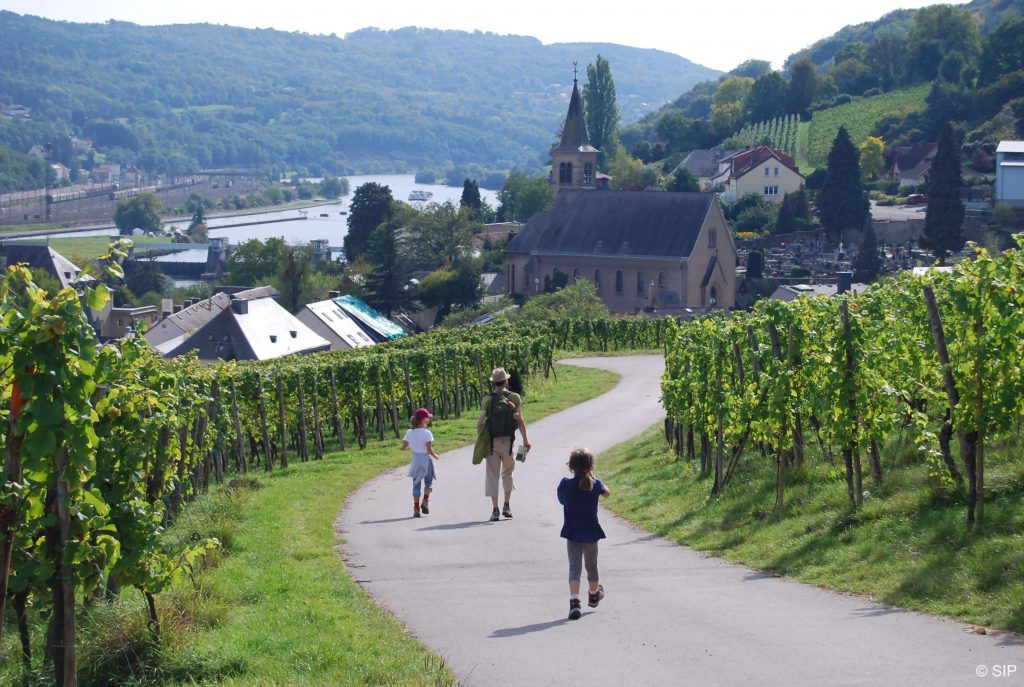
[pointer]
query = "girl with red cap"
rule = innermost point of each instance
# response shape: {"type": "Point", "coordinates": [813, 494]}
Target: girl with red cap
{"type": "Point", "coordinates": [421, 469]}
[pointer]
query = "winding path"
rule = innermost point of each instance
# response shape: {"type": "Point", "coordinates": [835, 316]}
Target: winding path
{"type": "Point", "coordinates": [491, 597]}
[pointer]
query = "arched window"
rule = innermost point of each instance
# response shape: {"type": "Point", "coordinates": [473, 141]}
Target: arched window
{"type": "Point", "coordinates": [641, 288]}
{"type": "Point", "coordinates": [565, 173]}
{"type": "Point", "coordinates": [597, 280]}
{"type": "Point", "coordinates": [618, 281]}
{"type": "Point", "coordinates": [661, 280]}
{"type": "Point", "coordinates": [714, 297]}
{"type": "Point", "coordinates": [588, 174]}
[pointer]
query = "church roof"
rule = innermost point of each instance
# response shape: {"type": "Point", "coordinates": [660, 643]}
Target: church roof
{"type": "Point", "coordinates": [617, 223]}
{"type": "Point", "coordinates": [574, 133]}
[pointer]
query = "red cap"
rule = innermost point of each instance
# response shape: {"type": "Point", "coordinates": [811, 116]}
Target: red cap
{"type": "Point", "coordinates": [422, 413]}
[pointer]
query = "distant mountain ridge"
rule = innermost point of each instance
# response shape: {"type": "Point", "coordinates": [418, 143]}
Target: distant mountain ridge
{"type": "Point", "coordinates": [171, 98]}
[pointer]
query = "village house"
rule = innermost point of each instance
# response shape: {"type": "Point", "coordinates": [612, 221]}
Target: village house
{"type": "Point", "coordinates": [761, 170]}
{"type": "Point", "coordinates": [1010, 173]}
{"type": "Point", "coordinates": [911, 164]}
{"type": "Point", "coordinates": [705, 164]}
{"type": "Point", "coordinates": [644, 251]}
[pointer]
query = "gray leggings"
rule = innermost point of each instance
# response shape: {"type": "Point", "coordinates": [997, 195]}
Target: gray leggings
{"type": "Point", "coordinates": [580, 553]}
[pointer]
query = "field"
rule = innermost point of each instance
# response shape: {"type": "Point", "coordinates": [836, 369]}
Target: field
{"type": "Point", "coordinates": [859, 117]}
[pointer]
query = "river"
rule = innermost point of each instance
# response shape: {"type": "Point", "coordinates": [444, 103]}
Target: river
{"type": "Point", "coordinates": [320, 222]}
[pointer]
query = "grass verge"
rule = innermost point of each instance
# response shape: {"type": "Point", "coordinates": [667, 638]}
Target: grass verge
{"type": "Point", "coordinates": [291, 615]}
{"type": "Point", "coordinates": [908, 547]}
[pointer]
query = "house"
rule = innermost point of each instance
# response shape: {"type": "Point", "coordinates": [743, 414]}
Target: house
{"type": "Point", "coordinates": [118, 322]}
{"type": "Point", "coordinates": [911, 164]}
{"type": "Point", "coordinates": [643, 250]}
{"type": "Point", "coordinates": [133, 177]}
{"type": "Point", "coordinates": [497, 231]}
{"type": "Point", "coordinates": [60, 172]}
{"type": "Point", "coordinates": [1010, 173]}
{"type": "Point", "coordinates": [844, 282]}
{"type": "Point", "coordinates": [106, 174]}
{"type": "Point", "coordinates": [761, 170]}
{"type": "Point", "coordinates": [375, 325]}
{"type": "Point", "coordinates": [329, 320]}
{"type": "Point", "coordinates": [42, 257]}
{"type": "Point", "coordinates": [16, 111]}
{"type": "Point", "coordinates": [40, 151]}
{"type": "Point", "coordinates": [705, 164]}
{"type": "Point", "coordinates": [246, 325]}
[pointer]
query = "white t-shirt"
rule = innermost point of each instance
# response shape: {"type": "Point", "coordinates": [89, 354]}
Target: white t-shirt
{"type": "Point", "coordinates": [418, 439]}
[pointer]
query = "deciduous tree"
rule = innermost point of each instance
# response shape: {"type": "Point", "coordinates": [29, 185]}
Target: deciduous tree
{"type": "Point", "coordinates": [872, 156]}
{"type": "Point", "coordinates": [600, 109]}
{"type": "Point", "coordinates": [804, 85]}
{"type": "Point", "coordinates": [138, 212]}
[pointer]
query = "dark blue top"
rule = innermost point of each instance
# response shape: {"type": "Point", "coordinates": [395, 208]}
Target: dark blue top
{"type": "Point", "coordinates": [579, 509]}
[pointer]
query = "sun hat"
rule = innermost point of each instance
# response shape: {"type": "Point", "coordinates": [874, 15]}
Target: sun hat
{"type": "Point", "coordinates": [498, 375]}
{"type": "Point", "coordinates": [422, 413]}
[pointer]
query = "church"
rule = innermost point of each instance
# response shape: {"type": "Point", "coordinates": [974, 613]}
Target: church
{"type": "Point", "coordinates": [644, 251]}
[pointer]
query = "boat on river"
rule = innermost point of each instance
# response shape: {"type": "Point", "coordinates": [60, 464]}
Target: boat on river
{"type": "Point", "coordinates": [420, 195]}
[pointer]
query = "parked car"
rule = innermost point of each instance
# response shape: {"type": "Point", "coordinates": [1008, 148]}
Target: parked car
{"type": "Point", "coordinates": [917, 199]}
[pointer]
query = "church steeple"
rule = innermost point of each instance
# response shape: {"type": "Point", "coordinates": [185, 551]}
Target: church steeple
{"type": "Point", "coordinates": [574, 160]}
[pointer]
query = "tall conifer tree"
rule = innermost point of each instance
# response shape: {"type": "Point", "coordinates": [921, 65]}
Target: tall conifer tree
{"type": "Point", "coordinates": [944, 218]}
{"type": "Point", "coordinates": [842, 201]}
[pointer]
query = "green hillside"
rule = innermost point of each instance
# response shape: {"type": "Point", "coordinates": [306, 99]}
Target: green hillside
{"type": "Point", "coordinates": [179, 98]}
{"type": "Point", "coordinates": [859, 117]}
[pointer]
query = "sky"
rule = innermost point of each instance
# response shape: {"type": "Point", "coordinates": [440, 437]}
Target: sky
{"type": "Point", "coordinates": [717, 34]}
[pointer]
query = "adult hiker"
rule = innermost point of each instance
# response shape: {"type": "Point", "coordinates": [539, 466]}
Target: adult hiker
{"type": "Point", "coordinates": [501, 410]}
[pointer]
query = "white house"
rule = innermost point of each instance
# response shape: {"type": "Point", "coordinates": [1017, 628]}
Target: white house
{"type": "Point", "coordinates": [1010, 173]}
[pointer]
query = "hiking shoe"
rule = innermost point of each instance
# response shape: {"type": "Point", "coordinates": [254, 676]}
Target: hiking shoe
{"type": "Point", "coordinates": [574, 609]}
{"type": "Point", "coordinates": [424, 508]}
{"type": "Point", "coordinates": [416, 511]}
{"type": "Point", "coordinates": [595, 598]}
{"type": "Point", "coordinates": [495, 514]}
{"type": "Point", "coordinates": [506, 511]}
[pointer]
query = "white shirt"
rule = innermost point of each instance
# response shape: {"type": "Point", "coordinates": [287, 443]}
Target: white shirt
{"type": "Point", "coordinates": [418, 439]}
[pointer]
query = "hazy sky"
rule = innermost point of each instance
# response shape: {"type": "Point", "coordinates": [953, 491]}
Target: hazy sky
{"type": "Point", "coordinates": [718, 34]}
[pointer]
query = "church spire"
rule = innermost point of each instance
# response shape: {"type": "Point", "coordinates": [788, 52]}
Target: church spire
{"type": "Point", "coordinates": [574, 133]}
{"type": "Point", "coordinates": [574, 160]}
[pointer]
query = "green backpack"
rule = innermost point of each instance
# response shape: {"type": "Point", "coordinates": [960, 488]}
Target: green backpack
{"type": "Point", "coordinates": [501, 422]}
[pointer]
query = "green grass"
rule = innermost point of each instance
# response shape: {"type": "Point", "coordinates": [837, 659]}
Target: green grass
{"type": "Point", "coordinates": [908, 547]}
{"type": "Point", "coordinates": [293, 616]}
{"type": "Point", "coordinates": [859, 117]}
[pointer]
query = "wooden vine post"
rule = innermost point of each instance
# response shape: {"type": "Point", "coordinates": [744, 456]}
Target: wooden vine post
{"type": "Point", "coordinates": [241, 462]}
{"type": "Point", "coordinates": [282, 428]}
{"type": "Point", "coordinates": [854, 478]}
{"type": "Point", "coordinates": [268, 463]}
{"type": "Point", "coordinates": [303, 445]}
{"type": "Point", "coordinates": [318, 436]}
{"type": "Point", "coordinates": [339, 430]}
{"type": "Point", "coordinates": [979, 412]}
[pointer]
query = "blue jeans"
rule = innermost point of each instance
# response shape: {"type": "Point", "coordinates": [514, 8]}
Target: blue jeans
{"type": "Point", "coordinates": [416, 485]}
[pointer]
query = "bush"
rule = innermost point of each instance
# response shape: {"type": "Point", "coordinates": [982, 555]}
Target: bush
{"type": "Point", "coordinates": [872, 92]}
{"type": "Point", "coordinates": [580, 300]}
{"type": "Point", "coordinates": [842, 99]}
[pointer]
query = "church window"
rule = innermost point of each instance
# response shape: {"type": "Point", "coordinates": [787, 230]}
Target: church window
{"type": "Point", "coordinates": [575, 275]}
{"type": "Point", "coordinates": [661, 280]}
{"type": "Point", "coordinates": [597, 280]}
{"type": "Point", "coordinates": [714, 296]}
{"type": "Point", "coordinates": [618, 281]}
{"type": "Point", "coordinates": [565, 173]}
{"type": "Point", "coordinates": [588, 174]}
{"type": "Point", "coordinates": [712, 237]}
{"type": "Point", "coordinates": [766, 171]}
{"type": "Point", "coordinates": [640, 286]}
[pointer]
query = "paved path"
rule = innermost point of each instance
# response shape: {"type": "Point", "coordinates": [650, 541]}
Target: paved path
{"type": "Point", "coordinates": [491, 598]}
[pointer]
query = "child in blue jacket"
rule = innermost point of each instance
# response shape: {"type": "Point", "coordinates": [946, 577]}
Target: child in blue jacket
{"type": "Point", "coordinates": [578, 495]}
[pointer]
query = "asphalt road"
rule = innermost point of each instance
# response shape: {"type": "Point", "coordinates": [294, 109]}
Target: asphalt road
{"type": "Point", "coordinates": [491, 597]}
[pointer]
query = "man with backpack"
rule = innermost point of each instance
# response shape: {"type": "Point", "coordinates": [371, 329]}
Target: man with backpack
{"type": "Point", "coordinates": [500, 411]}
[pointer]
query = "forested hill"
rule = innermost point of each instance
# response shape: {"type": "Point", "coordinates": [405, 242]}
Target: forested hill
{"type": "Point", "coordinates": [190, 96]}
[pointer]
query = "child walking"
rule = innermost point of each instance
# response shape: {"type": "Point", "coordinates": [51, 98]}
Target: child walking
{"type": "Point", "coordinates": [421, 469]}
{"type": "Point", "coordinates": [578, 495]}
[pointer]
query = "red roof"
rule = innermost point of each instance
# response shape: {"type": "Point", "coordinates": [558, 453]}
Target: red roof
{"type": "Point", "coordinates": [745, 160]}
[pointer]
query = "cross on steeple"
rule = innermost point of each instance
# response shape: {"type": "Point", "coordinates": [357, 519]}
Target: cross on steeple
{"type": "Point", "coordinates": [574, 72]}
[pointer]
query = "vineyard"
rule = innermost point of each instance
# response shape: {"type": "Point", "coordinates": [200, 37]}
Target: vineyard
{"type": "Point", "coordinates": [105, 445]}
{"type": "Point", "coordinates": [859, 117]}
{"type": "Point", "coordinates": [779, 133]}
{"type": "Point", "coordinates": [933, 361]}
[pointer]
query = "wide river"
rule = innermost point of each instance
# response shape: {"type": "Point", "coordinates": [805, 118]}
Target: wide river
{"type": "Point", "coordinates": [320, 222]}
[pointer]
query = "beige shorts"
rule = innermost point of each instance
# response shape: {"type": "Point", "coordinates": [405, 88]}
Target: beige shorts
{"type": "Point", "coordinates": [500, 463]}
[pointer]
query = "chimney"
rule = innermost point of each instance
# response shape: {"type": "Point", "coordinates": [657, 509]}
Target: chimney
{"type": "Point", "coordinates": [333, 294]}
{"type": "Point", "coordinates": [240, 306]}
{"type": "Point", "coordinates": [844, 280]}
{"type": "Point", "coordinates": [177, 308]}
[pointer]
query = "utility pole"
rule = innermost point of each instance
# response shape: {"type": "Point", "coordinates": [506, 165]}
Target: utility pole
{"type": "Point", "coordinates": [46, 179]}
